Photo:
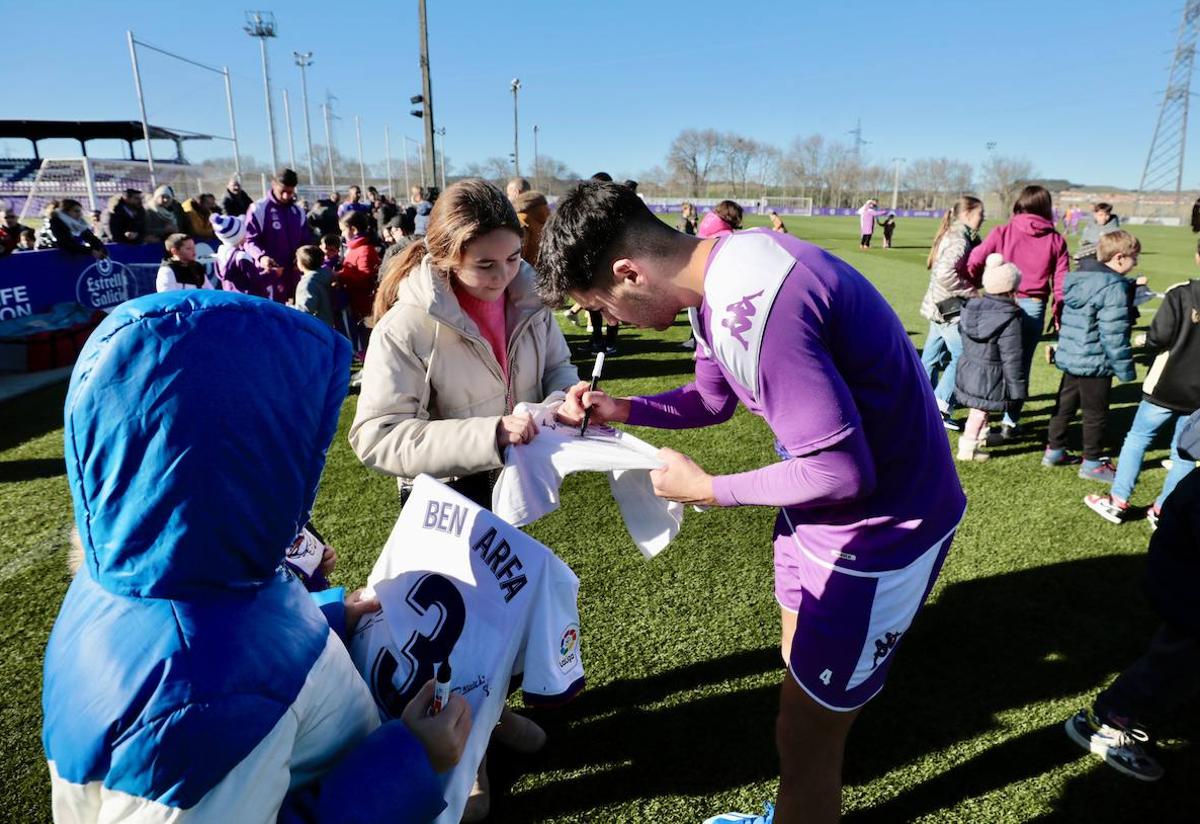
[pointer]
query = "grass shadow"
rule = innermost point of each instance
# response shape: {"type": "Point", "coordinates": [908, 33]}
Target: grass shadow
{"type": "Point", "coordinates": [31, 469]}
{"type": "Point", "coordinates": [982, 649]}
{"type": "Point", "coordinates": [32, 415]}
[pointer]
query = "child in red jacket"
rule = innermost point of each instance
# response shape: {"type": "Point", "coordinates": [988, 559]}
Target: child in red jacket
{"type": "Point", "coordinates": [358, 274]}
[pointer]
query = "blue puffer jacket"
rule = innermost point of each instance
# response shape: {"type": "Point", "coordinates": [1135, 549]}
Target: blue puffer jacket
{"type": "Point", "coordinates": [187, 678]}
{"type": "Point", "coordinates": [1097, 316]}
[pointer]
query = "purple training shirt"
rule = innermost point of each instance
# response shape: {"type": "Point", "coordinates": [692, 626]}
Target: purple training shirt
{"type": "Point", "coordinates": [806, 342]}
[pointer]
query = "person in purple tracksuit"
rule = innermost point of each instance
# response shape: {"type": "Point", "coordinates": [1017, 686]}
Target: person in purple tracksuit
{"type": "Point", "coordinates": [868, 495]}
{"type": "Point", "coordinates": [275, 229]}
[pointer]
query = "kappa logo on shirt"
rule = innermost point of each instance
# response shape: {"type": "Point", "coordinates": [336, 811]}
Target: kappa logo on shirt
{"type": "Point", "coordinates": [741, 311]}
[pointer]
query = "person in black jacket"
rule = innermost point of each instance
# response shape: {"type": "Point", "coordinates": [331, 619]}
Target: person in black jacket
{"type": "Point", "coordinates": [1120, 723]}
{"type": "Point", "coordinates": [126, 218]}
{"type": "Point", "coordinates": [990, 369]}
{"type": "Point", "coordinates": [322, 218]}
{"type": "Point", "coordinates": [236, 201]}
{"type": "Point", "coordinates": [1169, 394]}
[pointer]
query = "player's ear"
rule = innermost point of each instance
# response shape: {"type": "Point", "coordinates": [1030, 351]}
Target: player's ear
{"type": "Point", "coordinates": [625, 269]}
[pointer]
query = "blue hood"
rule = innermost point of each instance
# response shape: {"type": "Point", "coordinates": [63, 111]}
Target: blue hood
{"type": "Point", "coordinates": [166, 408]}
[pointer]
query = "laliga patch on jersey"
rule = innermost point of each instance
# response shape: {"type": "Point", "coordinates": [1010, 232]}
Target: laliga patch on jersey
{"type": "Point", "coordinates": [568, 648]}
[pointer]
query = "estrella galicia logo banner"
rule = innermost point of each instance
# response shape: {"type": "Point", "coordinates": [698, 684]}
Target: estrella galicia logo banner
{"type": "Point", "coordinates": [33, 282]}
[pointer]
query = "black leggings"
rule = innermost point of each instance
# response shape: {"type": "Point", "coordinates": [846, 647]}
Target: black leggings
{"type": "Point", "coordinates": [865, 240]}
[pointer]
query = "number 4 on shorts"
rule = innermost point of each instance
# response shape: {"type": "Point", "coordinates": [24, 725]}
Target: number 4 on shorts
{"type": "Point", "coordinates": [826, 677]}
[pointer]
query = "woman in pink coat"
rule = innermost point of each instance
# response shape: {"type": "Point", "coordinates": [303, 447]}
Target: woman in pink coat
{"type": "Point", "coordinates": [1030, 241]}
{"type": "Point", "coordinates": [866, 221]}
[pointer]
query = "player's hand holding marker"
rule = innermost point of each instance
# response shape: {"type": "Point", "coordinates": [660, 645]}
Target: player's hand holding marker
{"type": "Point", "coordinates": [605, 409]}
{"type": "Point", "coordinates": [681, 479]}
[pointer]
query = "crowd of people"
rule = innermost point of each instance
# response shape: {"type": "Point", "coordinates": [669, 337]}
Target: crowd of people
{"type": "Point", "coordinates": [448, 301]}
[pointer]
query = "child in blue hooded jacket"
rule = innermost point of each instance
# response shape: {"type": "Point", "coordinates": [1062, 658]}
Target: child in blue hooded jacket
{"type": "Point", "coordinates": [1093, 347]}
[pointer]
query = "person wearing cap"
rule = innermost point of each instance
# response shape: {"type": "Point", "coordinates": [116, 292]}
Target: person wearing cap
{"type": "Point", "coordinates": [126, 218]}
{"type": "Point", "coordinates": [990, 374]}
{"type": "Point", "coordinates": [234, 266]}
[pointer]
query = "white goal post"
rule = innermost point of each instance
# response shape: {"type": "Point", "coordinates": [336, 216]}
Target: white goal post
{"type": "Point", "coordinates": [93, 181]}
{"type": "Point", "coordinates": [800, 206]}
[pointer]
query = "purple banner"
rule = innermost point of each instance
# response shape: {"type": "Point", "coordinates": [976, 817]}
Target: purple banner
{"type": "Point", "coordinates": [32, 282]}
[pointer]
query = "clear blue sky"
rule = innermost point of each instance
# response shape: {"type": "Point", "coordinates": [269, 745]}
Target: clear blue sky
{"type": "Point", "coordinates": [1074, 87]}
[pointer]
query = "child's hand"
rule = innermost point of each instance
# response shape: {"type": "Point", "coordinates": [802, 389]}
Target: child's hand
{"type": "Point", "coordinates": [357, 606]}
{"type": "Point", "coordinates": [328, 561]}
{"type": "Point", "coordinates": [1141, 281]}
{"type": "Point", "coordinates": [444, 736]}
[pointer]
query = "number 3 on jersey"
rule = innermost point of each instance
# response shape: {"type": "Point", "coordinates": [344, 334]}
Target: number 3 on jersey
{"type": "Point", "coordinates": [423, 652]}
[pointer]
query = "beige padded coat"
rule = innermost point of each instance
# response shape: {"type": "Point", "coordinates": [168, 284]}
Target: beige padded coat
{"type": "Point", "coordinates": [433, 392]}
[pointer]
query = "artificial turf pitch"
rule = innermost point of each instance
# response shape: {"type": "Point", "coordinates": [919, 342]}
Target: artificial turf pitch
{"type": "Point", "coordinates": [1038, 607]}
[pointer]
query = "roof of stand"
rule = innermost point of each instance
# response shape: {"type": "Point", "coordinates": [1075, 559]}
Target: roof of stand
{"type": "Point", "coordinates": [130, 130]}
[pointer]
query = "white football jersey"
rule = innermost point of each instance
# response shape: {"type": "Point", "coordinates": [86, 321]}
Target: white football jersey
{"type": "Point", "coordinates": [528, 485]}
{"type": "Point", "coordinates": [455, 581]}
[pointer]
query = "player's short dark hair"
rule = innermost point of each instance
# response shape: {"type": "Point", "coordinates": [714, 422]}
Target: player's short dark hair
{"type": "Point", "coordinates": [632, 184]}
{"type": "Point", "coordinates": [594, 224]}
{"type": "Point", "coordinates": [1103, 207]}
{"type": "Point", "coordinates": [357, 219]}
{"type": "Point", "coordinates": [286, 177]}
{"type": "Point", "coordinates": [331, 238]}
{"type": "Point", "coordinates": [309, 258]}
{"type": "Point", "coordinates": [603, 177]}
{"type": "Point", "coordinates": [175, 242]}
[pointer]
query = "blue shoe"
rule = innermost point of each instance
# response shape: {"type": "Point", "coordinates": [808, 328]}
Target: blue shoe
{"type": "Point", "coordinates": [1101, 470]}
{"type": "Point", "coordinates": [745, 818]}
{"type": "Point", "coordinates": [1059, 457]}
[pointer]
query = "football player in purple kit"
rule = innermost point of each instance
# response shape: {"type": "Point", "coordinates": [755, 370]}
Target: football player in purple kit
{"type": "Point", "coordinates": [866, 487]}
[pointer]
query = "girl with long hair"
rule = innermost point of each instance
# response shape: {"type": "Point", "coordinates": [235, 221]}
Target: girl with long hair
{"type": "Point", "coordinates": [949, 288]}
{"type": "Point", "coordinates": [460, 338]}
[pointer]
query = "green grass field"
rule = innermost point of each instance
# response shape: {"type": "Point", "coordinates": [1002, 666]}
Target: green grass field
{"type": "Point", "coordinates": [1038, 607]}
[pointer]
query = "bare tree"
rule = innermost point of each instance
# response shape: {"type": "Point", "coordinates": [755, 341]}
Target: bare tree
{"type": "Point", "coordinates": [692, 155]}
{"type": "Point", "coordinates": [1005, 175]}
{"type": "Point", "coordinates": [739, 153]}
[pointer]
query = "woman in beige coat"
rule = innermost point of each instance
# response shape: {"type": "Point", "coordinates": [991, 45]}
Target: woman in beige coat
{"type": "Point", "coordinates": [460, 338]}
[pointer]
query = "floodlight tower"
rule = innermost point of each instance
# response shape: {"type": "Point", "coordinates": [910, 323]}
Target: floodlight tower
{"type": "Point", "coordinates": [261, 24]}
{"type": "Point", "coordinates": [516, 88]}
{"type": "Point", "coordinates": [1164, 162]}
{"type": "Point", "coordinates": [304, 60]}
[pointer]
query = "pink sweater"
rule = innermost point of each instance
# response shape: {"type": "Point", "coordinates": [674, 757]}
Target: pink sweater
{"type": "Point", "coordinates": [1037, 249]}
{"type": "Point", "coordinates": [489, 317]}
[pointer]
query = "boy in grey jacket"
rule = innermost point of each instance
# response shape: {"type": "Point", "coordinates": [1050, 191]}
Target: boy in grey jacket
{"type": "Point", "coordinates": [314, 292]}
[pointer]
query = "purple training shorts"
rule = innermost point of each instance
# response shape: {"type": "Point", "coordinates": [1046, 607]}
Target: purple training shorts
{"type": "Point", "coordinates": [848, 623]}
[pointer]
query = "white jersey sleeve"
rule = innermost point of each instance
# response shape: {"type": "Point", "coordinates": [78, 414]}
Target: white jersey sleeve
{"type": "Point", "coordinates": [550, 660]}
